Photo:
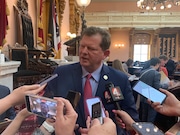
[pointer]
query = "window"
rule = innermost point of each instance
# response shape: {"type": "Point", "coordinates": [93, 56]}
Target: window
{"type": "Point", "coordinates": [141, 52]}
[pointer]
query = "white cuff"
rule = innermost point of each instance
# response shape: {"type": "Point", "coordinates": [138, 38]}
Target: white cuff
{"type": "Point", "coordinates": [48, 127]}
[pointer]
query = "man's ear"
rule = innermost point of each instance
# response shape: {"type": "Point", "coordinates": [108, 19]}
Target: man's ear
{"type": "Point", "coordinates": [106, 53]}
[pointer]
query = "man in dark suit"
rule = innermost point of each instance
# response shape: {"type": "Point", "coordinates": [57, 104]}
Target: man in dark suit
{"type": "Point", "coordinates": [93, 49]}
{"type": "Point", "coordinates": [10, 113]}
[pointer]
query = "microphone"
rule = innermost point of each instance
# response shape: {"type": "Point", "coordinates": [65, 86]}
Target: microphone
{"type": "Point", "coordinates": [115, 94]}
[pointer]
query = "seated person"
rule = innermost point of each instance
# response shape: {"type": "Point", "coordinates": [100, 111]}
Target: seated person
{"type": "Point", "coordinates": [10, 113]}
{"type": "Point", "coordinates": [128, 64]}
{"type": "Point", "coordinates": [117, 64]}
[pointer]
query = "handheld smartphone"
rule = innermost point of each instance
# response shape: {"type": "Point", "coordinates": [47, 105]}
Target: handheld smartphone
{"type": "Point", "coordinates": [73, 97]}
{"type": "Point", "coordinates": [146, 128]}
{"type": "Point", "coordinates": [95, 108]}
{"type": "Point", "coordinates": [47, 79]}
{"type": "Point", "coordinates": [4, 124]}
{"type": "Point", "coordinates": [41, 106]}
{"type": "Point", "coordinates": [149, 92]}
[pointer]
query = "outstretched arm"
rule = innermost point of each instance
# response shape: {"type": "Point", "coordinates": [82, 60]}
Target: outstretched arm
{"type": "Point", "coordinates": [17, 96]}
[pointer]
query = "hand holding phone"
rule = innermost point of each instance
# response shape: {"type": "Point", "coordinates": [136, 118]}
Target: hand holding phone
{"type": "Point", "coordinates": [95, 108]}
{"type": "Point", "coordinates": [46, 107]}
{"type": "Point", "coordinates": [149, 92]}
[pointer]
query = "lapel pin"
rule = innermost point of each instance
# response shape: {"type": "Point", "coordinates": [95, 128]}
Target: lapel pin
{"type": "Point", "coordinates": [105, 77]}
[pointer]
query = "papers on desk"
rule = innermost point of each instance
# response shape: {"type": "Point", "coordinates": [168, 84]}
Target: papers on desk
{"type": "Point", "coordinates": [133, 78]}
{"type": "Point", "coordinates": [174, 83]}
{"type": "Point", "coordinates": [164, 78]}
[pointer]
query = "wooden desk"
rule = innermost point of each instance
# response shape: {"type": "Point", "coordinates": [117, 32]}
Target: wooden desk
{"type": "Point", "coordinates": [176, 76]}
{"type": "Point", "coordinates": [6, 73]}
{"type": "Point", "coordinates": [135, 70]}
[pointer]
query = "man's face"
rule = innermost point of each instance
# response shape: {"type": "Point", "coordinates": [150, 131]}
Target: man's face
{"type": "Point", "coordinates": [90, 52]}
{"type": "Point", "coordinates": [163, 62]}
{"type": "Point", "coordinates": [157, 66]}
{"type": "Point", "coordinates": [44, 108]}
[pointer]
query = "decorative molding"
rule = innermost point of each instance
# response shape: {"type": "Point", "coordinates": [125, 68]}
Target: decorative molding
{"type": "Point", "coordinates": [61, 7]}
{"type": "Point", "coordinates": [74, 17]}
{"type": "Point", "coordinates": [133, 19]}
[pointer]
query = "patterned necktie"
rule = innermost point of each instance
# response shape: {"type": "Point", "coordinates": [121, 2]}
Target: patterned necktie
{"type": "Point", "coordinates": [87, 93]}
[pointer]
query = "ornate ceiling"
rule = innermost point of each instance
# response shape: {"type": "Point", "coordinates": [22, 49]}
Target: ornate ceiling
{"type": "Point", "coordinates": [125, 14]}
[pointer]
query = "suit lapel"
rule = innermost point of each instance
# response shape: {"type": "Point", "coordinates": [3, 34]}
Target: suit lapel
{"type": "Point", "coordinates": [104, 79]}
{"type": "Point", "coordinates": [77, 82]}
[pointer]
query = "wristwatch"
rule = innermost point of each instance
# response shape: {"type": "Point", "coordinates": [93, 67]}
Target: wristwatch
{"type": "Point", "coordinates": [48, 127]}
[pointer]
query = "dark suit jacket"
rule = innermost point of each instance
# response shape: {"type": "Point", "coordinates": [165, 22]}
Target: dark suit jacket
{"type": "Point", "coordinates": [70, 78]}
{"type": "Point", "coordinates": [10, 113]}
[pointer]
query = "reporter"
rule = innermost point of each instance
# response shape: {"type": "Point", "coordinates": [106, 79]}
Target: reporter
{"type": "Point", "coordinates": [17, 96]}
{"type": "Point", "coordinates": [170, 107]}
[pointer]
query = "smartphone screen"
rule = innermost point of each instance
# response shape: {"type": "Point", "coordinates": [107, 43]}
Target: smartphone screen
{"type": "Point", "coordinates": [73, 97]}
{"type": "Point", "coordinates": [149, 92]}
{"type": "Point", "coordinates": [94, 106]}
{"type": "Point", "coordinates": [41, 106]}
{"type": "Point", "coordinates": [146, 128]}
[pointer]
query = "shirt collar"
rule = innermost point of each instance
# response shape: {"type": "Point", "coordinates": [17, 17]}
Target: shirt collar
{"type": "Point", "coordinates": [95, 74]}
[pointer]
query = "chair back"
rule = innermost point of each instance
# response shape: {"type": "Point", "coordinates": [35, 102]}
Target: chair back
{"type": "Point", "coordinates": [19, 53]}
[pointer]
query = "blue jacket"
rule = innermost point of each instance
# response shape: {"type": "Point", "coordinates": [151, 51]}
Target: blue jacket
{"type": "Point", "coordinates": [10, 113]}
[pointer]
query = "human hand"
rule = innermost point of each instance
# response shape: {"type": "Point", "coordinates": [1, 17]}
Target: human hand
{"type": "Point", "coordinates": [23, 114]}
{"type": "Point", "coordinates": [170, 107]}
{"type": "Point", "coordinates": [107, 128]}
{"type": "Point", "coordinates": [17, 95]}
{"type": "Point", "coordinates": [169, 133]}
{"type": "Point", "coordinates": [65, 123]}
{"type": "Point", "coordinates": [84, 131]}
{"type": "Point", "coordinates": [171, 83]}
{"type": "Point", "coordinates": [123, 119]}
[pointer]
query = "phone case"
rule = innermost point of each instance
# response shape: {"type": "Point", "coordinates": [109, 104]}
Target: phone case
{"type": "Point", "coordinates": [146, 128]}
{"type": "Point", "coordinates": [41, 106]}
{"type": "Point", "coordinates": [92, 101]}
{"type": "Point", "coordinates": [73, 97]}
{"type": "Point", "coordinates": [4, 124]}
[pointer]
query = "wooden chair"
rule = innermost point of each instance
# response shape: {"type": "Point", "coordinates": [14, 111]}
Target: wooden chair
{"type": "Point", "coordinates": [39, 61]}
{"type": "Point", "coordinates": [24, 74]}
